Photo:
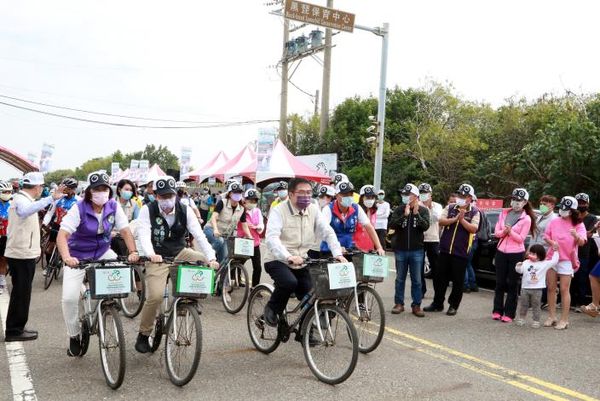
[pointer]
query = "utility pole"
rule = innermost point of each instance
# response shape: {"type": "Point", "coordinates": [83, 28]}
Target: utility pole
{"type": "Point", "coordinates": [316, 103]}
{"type": "Point", "coordinates": [326, 78]}
{"type": "Point", "coordinates": [384, 33]}
{"type": "Point", "coordinates": [284, 83]}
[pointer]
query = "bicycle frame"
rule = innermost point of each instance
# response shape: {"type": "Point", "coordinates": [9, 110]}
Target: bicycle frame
{"type": "Point", "coordinates": [93, 314]}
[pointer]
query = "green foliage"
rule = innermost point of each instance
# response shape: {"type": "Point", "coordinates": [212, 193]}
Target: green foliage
{"type": "Point", "coordinates": [57, 176]}
{"type": "Point", "coordinates": [432, 135]}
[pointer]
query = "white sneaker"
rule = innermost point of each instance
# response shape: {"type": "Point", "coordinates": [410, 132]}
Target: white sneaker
{"type": "Point", "coordinates": [519, 322]}
{"type": "Point", "coordinates": [536, 325]}
{"type": "Point", "coordinates": [1, 289]}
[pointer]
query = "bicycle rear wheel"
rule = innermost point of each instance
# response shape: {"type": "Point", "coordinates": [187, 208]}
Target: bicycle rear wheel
{"type": "Point", "coordinates": [132, 305]}
{"type": "Point", "coordinates": [332, 351]}
{"type": "Point", "coordinates": [369, 320]}
{"type": "Point", "coordinates": [265, 338]}
{"type": "Point", "coordinates": [51, 269]}
{"type": "Point", "coordinates": [112, 348]}
{"type": "Point", "coordinates": [183, 344]}
{"type": "Point", "coordinates": [235, 288]}
{"type": "Point", "coordinates": [157, 333]}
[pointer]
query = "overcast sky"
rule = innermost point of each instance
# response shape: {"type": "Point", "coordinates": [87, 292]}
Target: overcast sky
{"type": "Point", "coordinates": [214, 61]}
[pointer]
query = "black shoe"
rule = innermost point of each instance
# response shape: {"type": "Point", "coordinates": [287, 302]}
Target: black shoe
{"type": "Point", "coordinates": [74, 346]}
{"type": "Point", "coordinates": [24, 336]}
{"type": "Point", "coordinates": [467, 291]}
{"type": "Point", "coordinates": [433, 308]}
{"type": "Point", "coordinates": [30, 331]}
{"type": "Point", "coordinates": [475, 289]}
{"type": "Point", "coordinates": [451, 311]}
{"type": "Point", "coordinates": [142, 345]}
{"type": "Point", "coordinates": [270, 316]}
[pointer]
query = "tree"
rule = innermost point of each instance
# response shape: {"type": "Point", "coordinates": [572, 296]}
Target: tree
{"type": "Point", "coordinates": [161, 156]}
{"type": "Point", "coordinates": [57, 176]}
{"type": "Point", "coordinates": [98, 163]}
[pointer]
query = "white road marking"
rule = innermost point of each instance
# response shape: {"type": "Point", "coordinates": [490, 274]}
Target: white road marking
{"type": "Point", "coordinates": [20, 376]}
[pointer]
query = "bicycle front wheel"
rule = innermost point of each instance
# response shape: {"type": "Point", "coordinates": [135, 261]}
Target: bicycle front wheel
{"type": "Point", "coordinates": [265, 338]}
{"type": "Point", "coordinates": [51, 269]}
{"type": "Point", "coordinates": [369, 320]}
{"type": "Point", "coordinates": [330, 344]}
{"type": "Point", "coordinates": [112, 347]}
{"type": "Point", "coordinates": [235, 288]}
{"type": "Point", "coordinates": [183, 344]}
{"type": "Point", "coordinates": [132, 305]}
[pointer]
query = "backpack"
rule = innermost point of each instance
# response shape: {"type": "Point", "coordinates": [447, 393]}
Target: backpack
{"type": "Point", "coordinates": [483, 233]}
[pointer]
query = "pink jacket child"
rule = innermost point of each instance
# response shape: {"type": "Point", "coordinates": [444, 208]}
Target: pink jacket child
{"type": "Point", "coordinates": [255, 222]}
{"type": "Point", "coordinates": [514, 241]}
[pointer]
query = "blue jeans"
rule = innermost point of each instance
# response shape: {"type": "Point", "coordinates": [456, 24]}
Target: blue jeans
{"type": "Point", "coordinates": [218, 244]}
{"type": "Point", "coordinates": [470, 281]}
{"type": "Point", "coordinates": [406, 260]}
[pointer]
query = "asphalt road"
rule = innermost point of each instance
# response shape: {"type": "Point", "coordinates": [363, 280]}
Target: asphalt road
{"type": "Point", "coordinates": [466, 357]}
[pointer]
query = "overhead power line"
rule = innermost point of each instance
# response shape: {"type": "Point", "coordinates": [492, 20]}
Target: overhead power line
{"type": "Point", "coordinates": [116, 124]}
{"type": "Point", "coordinates": [109, 114]}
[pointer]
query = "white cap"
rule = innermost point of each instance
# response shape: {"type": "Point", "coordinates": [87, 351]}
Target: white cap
{"type": "Point", "coordinates": [466, 190]}
{"type": "Point", "coordinates": [567, 203]}
{"type": "Point", "coordinates": [327, 190]}
{"type": "Point", "coordinates": [410, 189]}
{"type": "Point", "coordinates": [520, 194]}
{"type": "Point", "coordinates": [33, 178]}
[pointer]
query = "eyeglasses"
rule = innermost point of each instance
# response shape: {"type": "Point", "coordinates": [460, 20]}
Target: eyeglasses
{"type": "Point", "coordinates": [303, 193]}
{"type": "Point", "coordinates": [7, 192]}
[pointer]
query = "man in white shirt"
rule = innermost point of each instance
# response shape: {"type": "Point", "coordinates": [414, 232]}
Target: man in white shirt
{"type": "Point", "coordinates": [22, 249]}
{"type": "Point", "coordinates": [383, 214]}
{"type": "Point", "coordinates": [162, 226]}
{"type": "Point", "coordinates": [432, 235]}
{"type": "Point", "coordinates": [293, 227]}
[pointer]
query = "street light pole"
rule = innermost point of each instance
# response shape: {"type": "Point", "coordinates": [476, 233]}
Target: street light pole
{"type": "Point", "coordinates": [384, 33]}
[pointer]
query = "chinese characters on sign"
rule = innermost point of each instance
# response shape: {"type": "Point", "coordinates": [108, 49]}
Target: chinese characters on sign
{"type": "Point", "coordinates": [489, 204]}
{"type": "Point", "coordinates": [317, 15]}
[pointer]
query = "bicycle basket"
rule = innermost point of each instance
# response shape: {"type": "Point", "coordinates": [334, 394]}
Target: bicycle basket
{"type": "Point", "coordinates": [320, 280]}
{"type": "Point", "coordinates": [191, 281]}
{"type": "Point", "coordinates": [109, 281]}
{"type": "Point", "coordinates": [240, 248]}
{"type": "Point", "coordinates": [359, 264]}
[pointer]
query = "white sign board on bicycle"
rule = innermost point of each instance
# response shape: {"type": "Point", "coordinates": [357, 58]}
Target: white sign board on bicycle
{"type": "Point", "coordinates": [341, 275]}
{"type": "Point", "coordinates": [112, 281]}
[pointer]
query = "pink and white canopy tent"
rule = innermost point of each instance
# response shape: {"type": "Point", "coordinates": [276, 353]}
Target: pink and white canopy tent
{"type": "Point", "coordinates": [282, 164]}
{"type": "Point", "coordinates": [208, 170]}
{"type": "Point", "coordinates": [239, 165]}
{"type": "Point", "coordinates": [137, 176]}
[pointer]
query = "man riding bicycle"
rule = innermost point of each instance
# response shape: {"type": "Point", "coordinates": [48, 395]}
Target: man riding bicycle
{"type": "Point", "coordinates": [57, 211]}
{"type": "Point", "coordinates": [162, 227]}
{"type": "Point", "coordinates": [293, 228]}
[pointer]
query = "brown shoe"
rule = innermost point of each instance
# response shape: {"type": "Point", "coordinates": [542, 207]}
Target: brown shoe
{"type": "Point", "coordinates": [397, 309]}
{"type": "Point", "coordinates": [416, 310]}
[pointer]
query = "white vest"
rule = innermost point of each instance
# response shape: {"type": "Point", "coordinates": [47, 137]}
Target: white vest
{"type": "Point", "coordinates": [23, 234]}
{"type": "Point", "coordinates": [298, 233]}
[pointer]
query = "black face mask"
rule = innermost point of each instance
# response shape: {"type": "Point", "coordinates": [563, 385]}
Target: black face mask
{"type": "Point", "coordinates": [583, 209]}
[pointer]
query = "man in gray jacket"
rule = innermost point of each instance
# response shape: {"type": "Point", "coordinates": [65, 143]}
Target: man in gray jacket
{"type": "Point", "coordinates": [22, 249]}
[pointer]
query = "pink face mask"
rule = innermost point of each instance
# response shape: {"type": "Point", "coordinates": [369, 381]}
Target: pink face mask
{"type": "Point", "coordinates": [100, 198]}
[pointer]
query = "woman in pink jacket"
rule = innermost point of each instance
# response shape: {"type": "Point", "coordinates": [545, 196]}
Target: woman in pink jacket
{"type": "Point", "coordinates": [254, 219]}
{"type": "Point", "coordinates": [512, 228]}
{"type": "Point", "coordinates": [568, 233]}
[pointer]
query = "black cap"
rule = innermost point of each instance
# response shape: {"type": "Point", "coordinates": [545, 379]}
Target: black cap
{"type": "Point", "coordinates": [345, 187]}
{"type": "Point", "coordinates": [165, 185]}
{"type": "Point", "coordinates": [424, 187]}
{"type": "Point", "coordinates": [583, 197]}
{"type": "Point", "coordinates": [282, 185]}
{"type": "Point", "coordinates": [98, 179]}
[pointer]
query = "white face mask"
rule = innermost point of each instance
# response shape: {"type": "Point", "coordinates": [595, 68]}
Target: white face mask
{"type": "Point", "coordinates": [461, 202]}
{"type": "Point", "coordinates": [283, 193]}
{"type": "Point", "coordinates": [564, 213]}
{"type": "Point", "coordinates": [424, 197]}
{"type": "Point", "coordinates": [517, 206]}
{"type": "Point", "coordinates": [5, 197]}
{"type": "Point", "coordinates": [100, 198]}
{"type": "Point", "coordinates": [369, 202]}
{"type": "Point", "coordinates": [323, 202]}
{"type": "Point", "coordinates": [250, 206]}
{"type": "Point", "coordinates": [167, 205]}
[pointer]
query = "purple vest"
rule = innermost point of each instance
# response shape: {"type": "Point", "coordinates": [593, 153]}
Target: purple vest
{"type": "Point", "coordinates": [85, 242]}
{"type": "Point", "coordinates": [455, 240]}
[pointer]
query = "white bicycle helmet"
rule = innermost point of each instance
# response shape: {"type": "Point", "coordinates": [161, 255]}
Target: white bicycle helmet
{"type": "Point", "coordinates": [5, 186]}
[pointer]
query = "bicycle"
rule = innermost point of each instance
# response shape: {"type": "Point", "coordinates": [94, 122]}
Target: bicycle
{"type": "Point", "coordinates": [107, 280]}
{"type": "Point", "coordinates": [365, 306]}
{"type": "Point", "coordinates": [323, 327]}
{"type": "Point", "coordinates": [44, 239]}
{"type": "Point", "coordinates": [134, 302]}
{"type": "Point", "coordinates": [52, 270]}
{"type": "Point", "coordinates": [233, 280]}
{"type": "Point", "coordinates": [179, 320]}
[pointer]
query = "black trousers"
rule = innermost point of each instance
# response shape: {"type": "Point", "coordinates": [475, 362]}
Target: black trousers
{"type": "Point", "coordinates": [21, 272]}
{"type": "Point", "coordinates": [507, 282]}
{"type": "Point", "coordinates": [117, 244]}
{"type": "Point", "coordinates": [256, 267]}
{"type": "Point", "coordinates": [432, 251]}
{"type": "Point", "coordinates": [381, 233]}
{"type": "Point", "coordinates": [204, 215]}
{"type": "Point", "coordinates": [287, 280]}
{"type": "Point", "coordinates": [449, 268]}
